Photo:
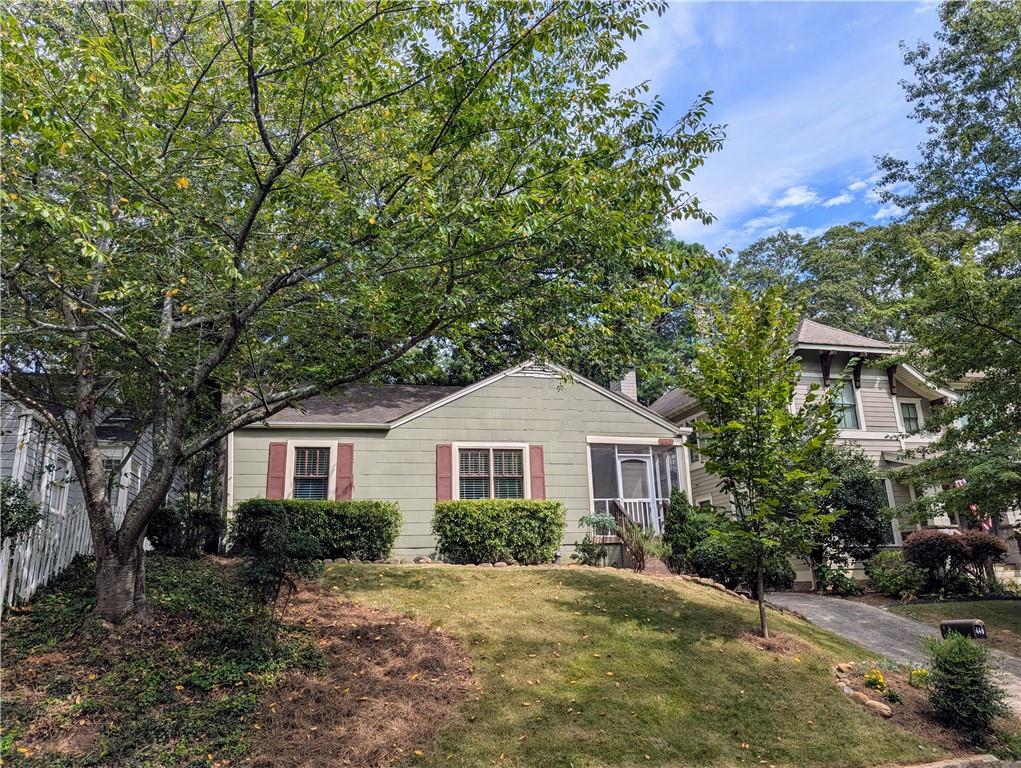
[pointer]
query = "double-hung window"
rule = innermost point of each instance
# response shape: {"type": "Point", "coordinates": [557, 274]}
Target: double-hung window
{"type": "Point", "coordinates": [847, 407]}
{"type": "Point", "coordinates": [909, 416]}
{"type": "Point", "coordinates": [491, 473]}
{"type": "Point", "coordinates": [311, 473]}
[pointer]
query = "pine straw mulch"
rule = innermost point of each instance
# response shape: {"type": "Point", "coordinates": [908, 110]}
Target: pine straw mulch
{"type": "Point", "coordinates": [914, 714]}
{"type": "Point", "coordinates": [779, 644]}
{"type": "Point", "coordinates": [387, 686]}
{"type": "Point", "coordinates": [391, 684]}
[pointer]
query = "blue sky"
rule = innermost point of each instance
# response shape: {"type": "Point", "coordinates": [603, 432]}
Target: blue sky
{"type": "Point", "coordinates": [810, 94]}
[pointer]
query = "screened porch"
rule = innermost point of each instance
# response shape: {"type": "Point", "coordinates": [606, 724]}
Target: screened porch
{"type": "Point", "coordinates": [635, 480]}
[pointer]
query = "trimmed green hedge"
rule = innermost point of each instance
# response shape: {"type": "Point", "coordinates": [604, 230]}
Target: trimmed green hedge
{"type": "Point", "coordinates": [525, 531]}
{"type": "Point", "coordinates": [365, 530]}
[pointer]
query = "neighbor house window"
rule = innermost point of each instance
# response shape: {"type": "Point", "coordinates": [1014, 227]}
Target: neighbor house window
{"type": "Point", "coordinates": [847, 409]}
{"type": "Point", "coordinates": [910, 417]}
{"type": "Point", "coordinates": [693, 445]}
{"type": "Point", "coordinates": [311, 473]}
{"type": "Point", "coordinates": [491, 473]}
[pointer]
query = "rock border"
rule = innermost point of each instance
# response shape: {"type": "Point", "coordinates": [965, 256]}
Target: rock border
{"type": "Point", "coordinates": [843, 674]}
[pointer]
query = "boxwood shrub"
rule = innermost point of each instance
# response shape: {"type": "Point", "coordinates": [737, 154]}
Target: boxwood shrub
{"type": "Point", "coordinates": [525, 531]}
{"type": "Point", "coordinates": [365, 530]}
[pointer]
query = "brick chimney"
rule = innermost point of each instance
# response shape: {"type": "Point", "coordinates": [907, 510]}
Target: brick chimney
{"type": "Point", "coordinates": [627, 386]}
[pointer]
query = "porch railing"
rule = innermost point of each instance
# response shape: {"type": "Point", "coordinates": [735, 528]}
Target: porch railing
{"type": "Point", "coordinates": [648, 513]}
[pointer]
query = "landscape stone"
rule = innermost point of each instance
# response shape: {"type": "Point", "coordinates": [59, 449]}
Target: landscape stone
{"type": "Point", "coordinates": [860, 697]}
{"type": "Point", "coordinates": [500, 564]}
{"type": "Point", "coordinates": [423, 560]}
{"type": "Point", "coordinates": [880, 707]}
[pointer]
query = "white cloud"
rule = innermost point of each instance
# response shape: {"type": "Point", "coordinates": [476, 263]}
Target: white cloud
{"type": "Point", "coordinates": [842, 199]}
{"type": "Point", "coordinates": [658, 52]}
{"type": "Point", "coordinates": [872, 195]}
{"type": "Point", "coordinates": [888, 212]}
{"type": "Point", "coordinates": [767, 224]}
{"type": "Point", "coordinates": [797, 195]}
{"type": "Point", "coordinates": [809, 232]}
{"type": "Point", "coordinates": [854, 186]}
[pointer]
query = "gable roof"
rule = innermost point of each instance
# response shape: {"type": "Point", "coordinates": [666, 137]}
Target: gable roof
{"type": "Point", "coordinates": [808, 335]}
{"type": "Point", "coordinates": [385, 406]}
{"type": "Point", "coordinates": [362, 404]}
{"type": "Point", "coordinates": [813, 335]}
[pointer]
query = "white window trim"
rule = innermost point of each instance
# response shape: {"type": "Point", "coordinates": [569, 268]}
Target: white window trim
{"type": "Point", "coordinates": [898, 540]}
{"type": "Point", "coordinates": [55, 464]}
{"type": "Point", "coordinates": [605, 439]}
{"type": "Point", "coordinates": [455, 469]}
{"type": "Point", "coordinates": [25, 432]}
{"type": "Point", "coordinates": [900, 419]}
{"type": "Point", "coordinates": [700, 499]}
{"type": "Point", "coordinates": [331, 481]}
{"type": "Point", "coordinates": [858, 408]}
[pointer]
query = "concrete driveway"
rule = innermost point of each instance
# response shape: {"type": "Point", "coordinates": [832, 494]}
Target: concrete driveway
{"type": "Point", "coordinates": [895, 637]}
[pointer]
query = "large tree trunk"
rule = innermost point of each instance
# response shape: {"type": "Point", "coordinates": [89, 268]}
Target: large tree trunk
{"type": "Point", "coordinates": [761, 590]}
{"type": "Point", "coordinates": [120, 585]}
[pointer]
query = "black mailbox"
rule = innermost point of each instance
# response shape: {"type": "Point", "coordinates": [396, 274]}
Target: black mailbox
{"type": "Point", "coordinates": [974, 628]}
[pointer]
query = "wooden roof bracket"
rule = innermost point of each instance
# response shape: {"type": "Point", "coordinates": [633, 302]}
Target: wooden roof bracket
{"type": "Point", "coordinates": [891, 378]}
{"type": "Point", "coordinates": [825, 359]}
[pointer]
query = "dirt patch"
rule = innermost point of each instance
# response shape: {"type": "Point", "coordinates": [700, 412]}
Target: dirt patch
{"type": "Point", "coordinates": [390, 685]}
{"type": "Point", "coordinates": [780, 644]}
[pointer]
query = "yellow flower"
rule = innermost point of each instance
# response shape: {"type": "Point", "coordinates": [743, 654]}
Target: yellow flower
{"type": "Point", "coordinates": [183, 183]}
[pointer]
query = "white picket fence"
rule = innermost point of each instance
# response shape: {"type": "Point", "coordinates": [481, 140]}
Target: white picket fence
{"type": "Point", "coordinates": [40, 555]}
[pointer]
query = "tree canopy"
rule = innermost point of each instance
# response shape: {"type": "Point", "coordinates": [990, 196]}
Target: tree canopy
{"type": "Point", "coordinates": [269, 200]}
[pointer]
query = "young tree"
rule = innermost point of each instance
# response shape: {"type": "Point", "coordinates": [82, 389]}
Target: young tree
{"type": "Point", "coordinates": [270, 200]}
{"type": "Point", "coordinates": [765, 452]}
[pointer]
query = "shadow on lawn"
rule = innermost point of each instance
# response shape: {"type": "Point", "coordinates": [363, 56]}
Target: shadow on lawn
{"type": "Point", "coordinates": [589, 667]}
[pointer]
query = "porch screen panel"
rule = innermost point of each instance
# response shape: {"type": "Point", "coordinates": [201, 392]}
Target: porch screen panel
{"type": "Point", "coordinates": [604, 472]}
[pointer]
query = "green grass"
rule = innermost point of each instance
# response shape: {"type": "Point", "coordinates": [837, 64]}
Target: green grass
{"type": "Point", "coordinates": [1002, 618]}
{"type": "Point", "coordinates": [183, 688]}
{"type": "Point", "coordinates": [596, 668]}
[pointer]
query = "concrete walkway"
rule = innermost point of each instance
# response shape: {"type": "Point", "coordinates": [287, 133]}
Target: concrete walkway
{"type": "Point", "coordinates": [895, 637]}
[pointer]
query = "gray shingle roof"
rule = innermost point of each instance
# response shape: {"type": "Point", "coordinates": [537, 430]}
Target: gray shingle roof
{"type": "Point", "coordinates": [811, 332]}
{"type": "Point", "coordinates": [363, 404]}
{"type": "Point", "coordinates": [672, 402]}
{"type": "Point", "coordinates": [808, 332]}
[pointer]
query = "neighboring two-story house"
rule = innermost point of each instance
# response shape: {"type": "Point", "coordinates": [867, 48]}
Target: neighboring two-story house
{"type": "Point", "coordinates": [883, 411]}
{"type": "Point", "coordinates": [31, 454]}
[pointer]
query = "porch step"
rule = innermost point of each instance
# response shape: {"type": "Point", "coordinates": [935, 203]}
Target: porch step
{"type": "Point", "coordinates": [656, 567]}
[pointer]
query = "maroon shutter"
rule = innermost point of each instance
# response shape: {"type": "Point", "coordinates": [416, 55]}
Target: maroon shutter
{"type": "Point", "coordinates": [536, 472]}
{"type": "Point", "coordinates": [276, 471]}
{"type": "Point", "coordinates": [444, 472]}
{"type": "Point", "coordinates": [345, 470]}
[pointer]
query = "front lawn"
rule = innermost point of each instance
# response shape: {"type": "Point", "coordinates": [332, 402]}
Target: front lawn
{"type": "Point", "coordinates": [1002, 618]}
{"type": "Point", "coordinates": [599, 668]}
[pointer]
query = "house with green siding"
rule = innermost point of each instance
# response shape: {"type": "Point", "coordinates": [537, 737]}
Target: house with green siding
{"type": "Point", "coordinates": [532, 431]}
